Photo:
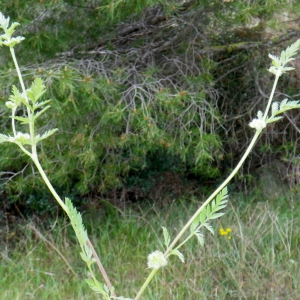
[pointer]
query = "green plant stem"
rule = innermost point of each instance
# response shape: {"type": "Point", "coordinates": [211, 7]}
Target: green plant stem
{"type": "Point", "coordinates": [216, 192]}
{"type": "Point", "coordinates": [232, 174]}
{"type": "Point", "coordinates": [35, 159]}
{"type": "Point", "coordinates": [33, 155]}
{"type": "Point", "coordinates": [213, 195]}
{"type": "Point", "coordinates": [31, 123]}
{"type": "Point", "coordinates": [47, 182]}
{"type": "Point", "coordinates": [271, 96]}
{"type": "Point", "coordinates": [148, 280]}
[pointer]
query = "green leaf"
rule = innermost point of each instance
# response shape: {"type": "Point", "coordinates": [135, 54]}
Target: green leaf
{"type": "Point", "coordinates": [292, 50]}
{"type": "Point", "coordinates": [278, 64]}
{"type": "Point", "coordinates": [279, 108]}
{"type": "Point", "coordinates": [4, 138]}
{"type": "Point", "coordinates": [178, 254]}
{"type": "Point", "coordinates": [45, 135]}
{"type": "Point", "coordinates": [200, 219]}
{"type": "Point", "coordinates": [202, 216]}
{"type": "Point", "coordinates": [96, 286]}
{"type": "Point", "coordinates": [41, 112]}
{"type": "Point", "coordinates": [86, 259]}
{"type": "Point", "coordinates": [209, 212]}
{"type": "Point", "coordinates": [76, 222]}
{"type": "Point", "coordinates": [208, 227]}
{"type": "Point", "coordinates": [272, 119]}
{"type": "Point", "coordinates": [200, 237]}
{"type": "Point", "coordinates": [23, 120]}
{"type": "Point", "coordinates": [13, 41]}
{"type": "Point", "coordinates": [36, 90]}
{"type": "Point", "coordinates": [17, 97]}
{"type": "Point", "coordinates": [39, 104]}
{"type": "Point", "coordinates": [216, 216]}
{"type": "Point", "coordinates": [166, 236]}
{"type": "Point", "coordinates": [12, 27]}
{"type": "Point", "coordinates": [275, 107]}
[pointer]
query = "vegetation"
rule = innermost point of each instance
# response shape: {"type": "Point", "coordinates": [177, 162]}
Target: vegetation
{"type": "Point", "coordinates": [27, 140]}
{"type": "Point", "coordinates": [145, 107]}
{"type": "Point", "coordinates": [141, 100]}
{"type": "Point", "coordinates": [260, 261]}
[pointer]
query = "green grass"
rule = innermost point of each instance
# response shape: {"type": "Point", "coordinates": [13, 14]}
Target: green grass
{"type": "Point", "coordinates": [260, 261]}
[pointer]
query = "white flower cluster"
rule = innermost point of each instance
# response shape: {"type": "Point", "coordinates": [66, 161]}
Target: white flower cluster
{"type": "Point", "coordinates": [258, 124]}
{"type": "Point", "coordinates": [156, 260]}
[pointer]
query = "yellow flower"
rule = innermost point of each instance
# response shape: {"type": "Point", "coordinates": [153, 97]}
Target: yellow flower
{"type": "Point", "coordinates": [225, 232]}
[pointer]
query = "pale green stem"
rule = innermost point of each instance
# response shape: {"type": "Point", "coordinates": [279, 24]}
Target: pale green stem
{"type": "Point", "coordinates": [148, 280]}
{"type": "Point", "coordinates": [31, 123]}
{"type": "Point", "coordinates": [271, 96]}
{"type": "Point", "coordinates": [13, 121]}
{"type": "Point", "coordinates": [216, 192]}
{"type": "Point", "coordinates": [181, 244]}
{"type": "Point", "coordinates": [33, 155]}
{"type": "Point", "coordinates": [48, 183]}
{"type": "Point", "coordinates": [233, 173]}
{"type": "Point", "coordinates": [64, 207]}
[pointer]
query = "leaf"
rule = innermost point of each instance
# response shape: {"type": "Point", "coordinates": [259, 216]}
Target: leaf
{"type": "Point", "coordinates": [12, 27]}
{"type": "Point", "coordinates": [275, 60]}
{"type": "Point", "coordinates": [208, 227]}
{"type": "Point", "coordinates": [45, 135]}
{"type": "Point", "coordinates": [260, 114]}
{"type": "Point", "coordinates": [272, 119]}
{"type": "Point", "coordinates": [200, 237]}
{"type": "Point", "coordinates": [76, 222]}
{"type": "Point", "coordinates": [96, 286]}
{"type": "Point", "coordinates": [39, 104]}
{"type": "Point", "coordinates": [292, 50]}
{"type": "Point", "coordinates": [209, 212]}
{"type": "Point", "coordinates": [36, 90]}
{"type": "Point", "coordinates": [278, 64]}
{"type": "Point", "coordinates": [178, 254]}
{"type": "Point", "coordinates": [4, 22]}
{"type": "Point", "coordinates": [4, 138]}
{"type": "Point", "coordinates": [17, 97]}
{"type": "Point", "coordinates": [275, 107]}
{"type": "Point", "coordinates": [41, 112]}
{"type": "Point", "coordinates": [23, 120]}
{"type": "Point", "coordinates": [200, 219]}
{"type": "Point", "coordinates": [89, 261]}
{"type": "Point", "coordinates": [166, 236]}
{"type": "Point", "coordinates": [13, 41]}
{"type": "Point", "coordinates": [284, 106]}
{"type": "Point", "coordinates": [216, 216]}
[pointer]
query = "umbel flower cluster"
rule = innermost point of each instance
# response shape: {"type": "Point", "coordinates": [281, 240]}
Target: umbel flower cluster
{"type": "Point", "coordinates": [156, 260]}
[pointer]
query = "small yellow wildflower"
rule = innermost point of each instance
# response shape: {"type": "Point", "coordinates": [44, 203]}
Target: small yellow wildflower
{"type": "Point", "coordinates": [226, 232]}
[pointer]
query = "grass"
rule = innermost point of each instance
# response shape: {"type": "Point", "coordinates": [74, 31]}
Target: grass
{"type": "Point", "coordinates": [260, 261]}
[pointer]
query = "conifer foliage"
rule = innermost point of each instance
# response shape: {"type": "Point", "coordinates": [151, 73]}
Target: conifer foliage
{"type": "Point", "coordinates": [135, 86]}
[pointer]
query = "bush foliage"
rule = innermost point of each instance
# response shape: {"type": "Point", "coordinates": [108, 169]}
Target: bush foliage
{"type": "Point", "coordinates": [139, 88]}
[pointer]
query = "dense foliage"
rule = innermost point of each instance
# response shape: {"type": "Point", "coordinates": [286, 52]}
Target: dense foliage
{"type": "Point", "coordinates": [145, 92]}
